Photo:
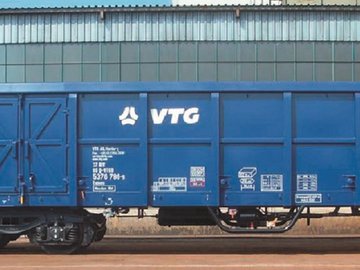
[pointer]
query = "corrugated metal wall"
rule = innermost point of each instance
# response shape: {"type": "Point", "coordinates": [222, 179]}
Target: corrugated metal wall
{"type": "Point", "coordinates": [181, 61]}
{"type": "Point", "coordinates": [194, 25]}
{"type": "Point", "coordinates": [167, 44]}
{"type": "Point", "coordinates": [265, 2]}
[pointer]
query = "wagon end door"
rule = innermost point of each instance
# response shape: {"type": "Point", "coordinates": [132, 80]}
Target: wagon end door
{"type": "Point", "coordinates": [45, 149]}
{"type": "Point", "coordinates": [8, 150]}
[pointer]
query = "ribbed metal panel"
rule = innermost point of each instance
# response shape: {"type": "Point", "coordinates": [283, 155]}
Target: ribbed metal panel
{"type": "Point", "coordinates": [181, 26]}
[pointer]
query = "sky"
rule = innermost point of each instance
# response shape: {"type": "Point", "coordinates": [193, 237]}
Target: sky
{"type": "Point", "coordinates": [69, 3]}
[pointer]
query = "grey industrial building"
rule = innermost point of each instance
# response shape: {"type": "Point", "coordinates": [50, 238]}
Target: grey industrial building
{"type": "Point", "coordinates": [181, 43]}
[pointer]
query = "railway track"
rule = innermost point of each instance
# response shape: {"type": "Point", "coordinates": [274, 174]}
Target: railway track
{"type": "Point", "coordinates": [284, 252]}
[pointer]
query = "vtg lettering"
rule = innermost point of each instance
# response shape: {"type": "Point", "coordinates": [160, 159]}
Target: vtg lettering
{"type": "Point", "coordinates": [190, 116]}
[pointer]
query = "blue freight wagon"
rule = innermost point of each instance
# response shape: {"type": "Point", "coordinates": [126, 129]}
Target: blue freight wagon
{"type": "Point", "coordinates": [202, 153]}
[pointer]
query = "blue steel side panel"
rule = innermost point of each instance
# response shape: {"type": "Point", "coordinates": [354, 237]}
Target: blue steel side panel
{"type": "Point", "coordinates": [226, 144]}
{"type": "Point", "coordinates": [252, 140]}
{"type": "Point", "coordinates": [9, 187]}
{"type": "Point", "coordinates": [183, 158]}
{"type": "Point", "coordinates": [112, 150]}
{"type": "Point", "coordinates": [324, 145]}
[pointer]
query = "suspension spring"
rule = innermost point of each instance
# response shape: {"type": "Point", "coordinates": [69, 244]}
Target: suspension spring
{"type": "Point", "coordinates": [73, 234]}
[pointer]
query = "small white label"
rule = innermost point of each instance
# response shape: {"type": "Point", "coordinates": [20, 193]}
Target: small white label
{"type": "Point", "coordinates": [246, 177]}
{"type": "Point", "coordinates": [105, 188]}
{"type": "Point", "coordinates": [170, 184]}
{"type": "Point", "coordinates": [271, 182]}
{"type": "Point", "coordinates": [247, 172]}
{"type": "Point", "coordinates": [307, 182]}
{"type": "Point", "coordinates": [109, 201]}
{"type": "Point", "coordinates": [105, 176]}
{"type": "Point", "coordinates": [308, 198]}
{"type": "Point", "coordinates": [197, 176]}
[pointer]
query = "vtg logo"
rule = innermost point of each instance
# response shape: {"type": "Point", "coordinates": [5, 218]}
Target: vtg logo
{"type": "Point", "coordinates": [190, 116]}
{"type": "Point", "coordinates": [129, 116]}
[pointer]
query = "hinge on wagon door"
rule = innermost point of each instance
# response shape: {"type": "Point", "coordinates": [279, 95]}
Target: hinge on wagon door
{"type": "Point", "coordinates": [66, 181]}
{"type": "Point", "coordinates": [20, 178]}
{"type": "Point", "coordinates": [82, 182]}
{"type": "Point", "coordinates": [350, 182]}
{"type": "Point", "coordinates": [22, 188]}
{"type": "Point", "coordinates": [66, 111]}
{"type": "Point", "coordinates": [224, 181]}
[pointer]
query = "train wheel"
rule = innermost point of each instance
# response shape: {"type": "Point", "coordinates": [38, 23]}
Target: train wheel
{"type": "Point", "coordinates": [89, 235]}
{"type": "Point", "coordinates": [60, 249]}
{"type": "Point", "coordinates": [74, 239]}
{"type": "Point", "coordinates": [4, 240]}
